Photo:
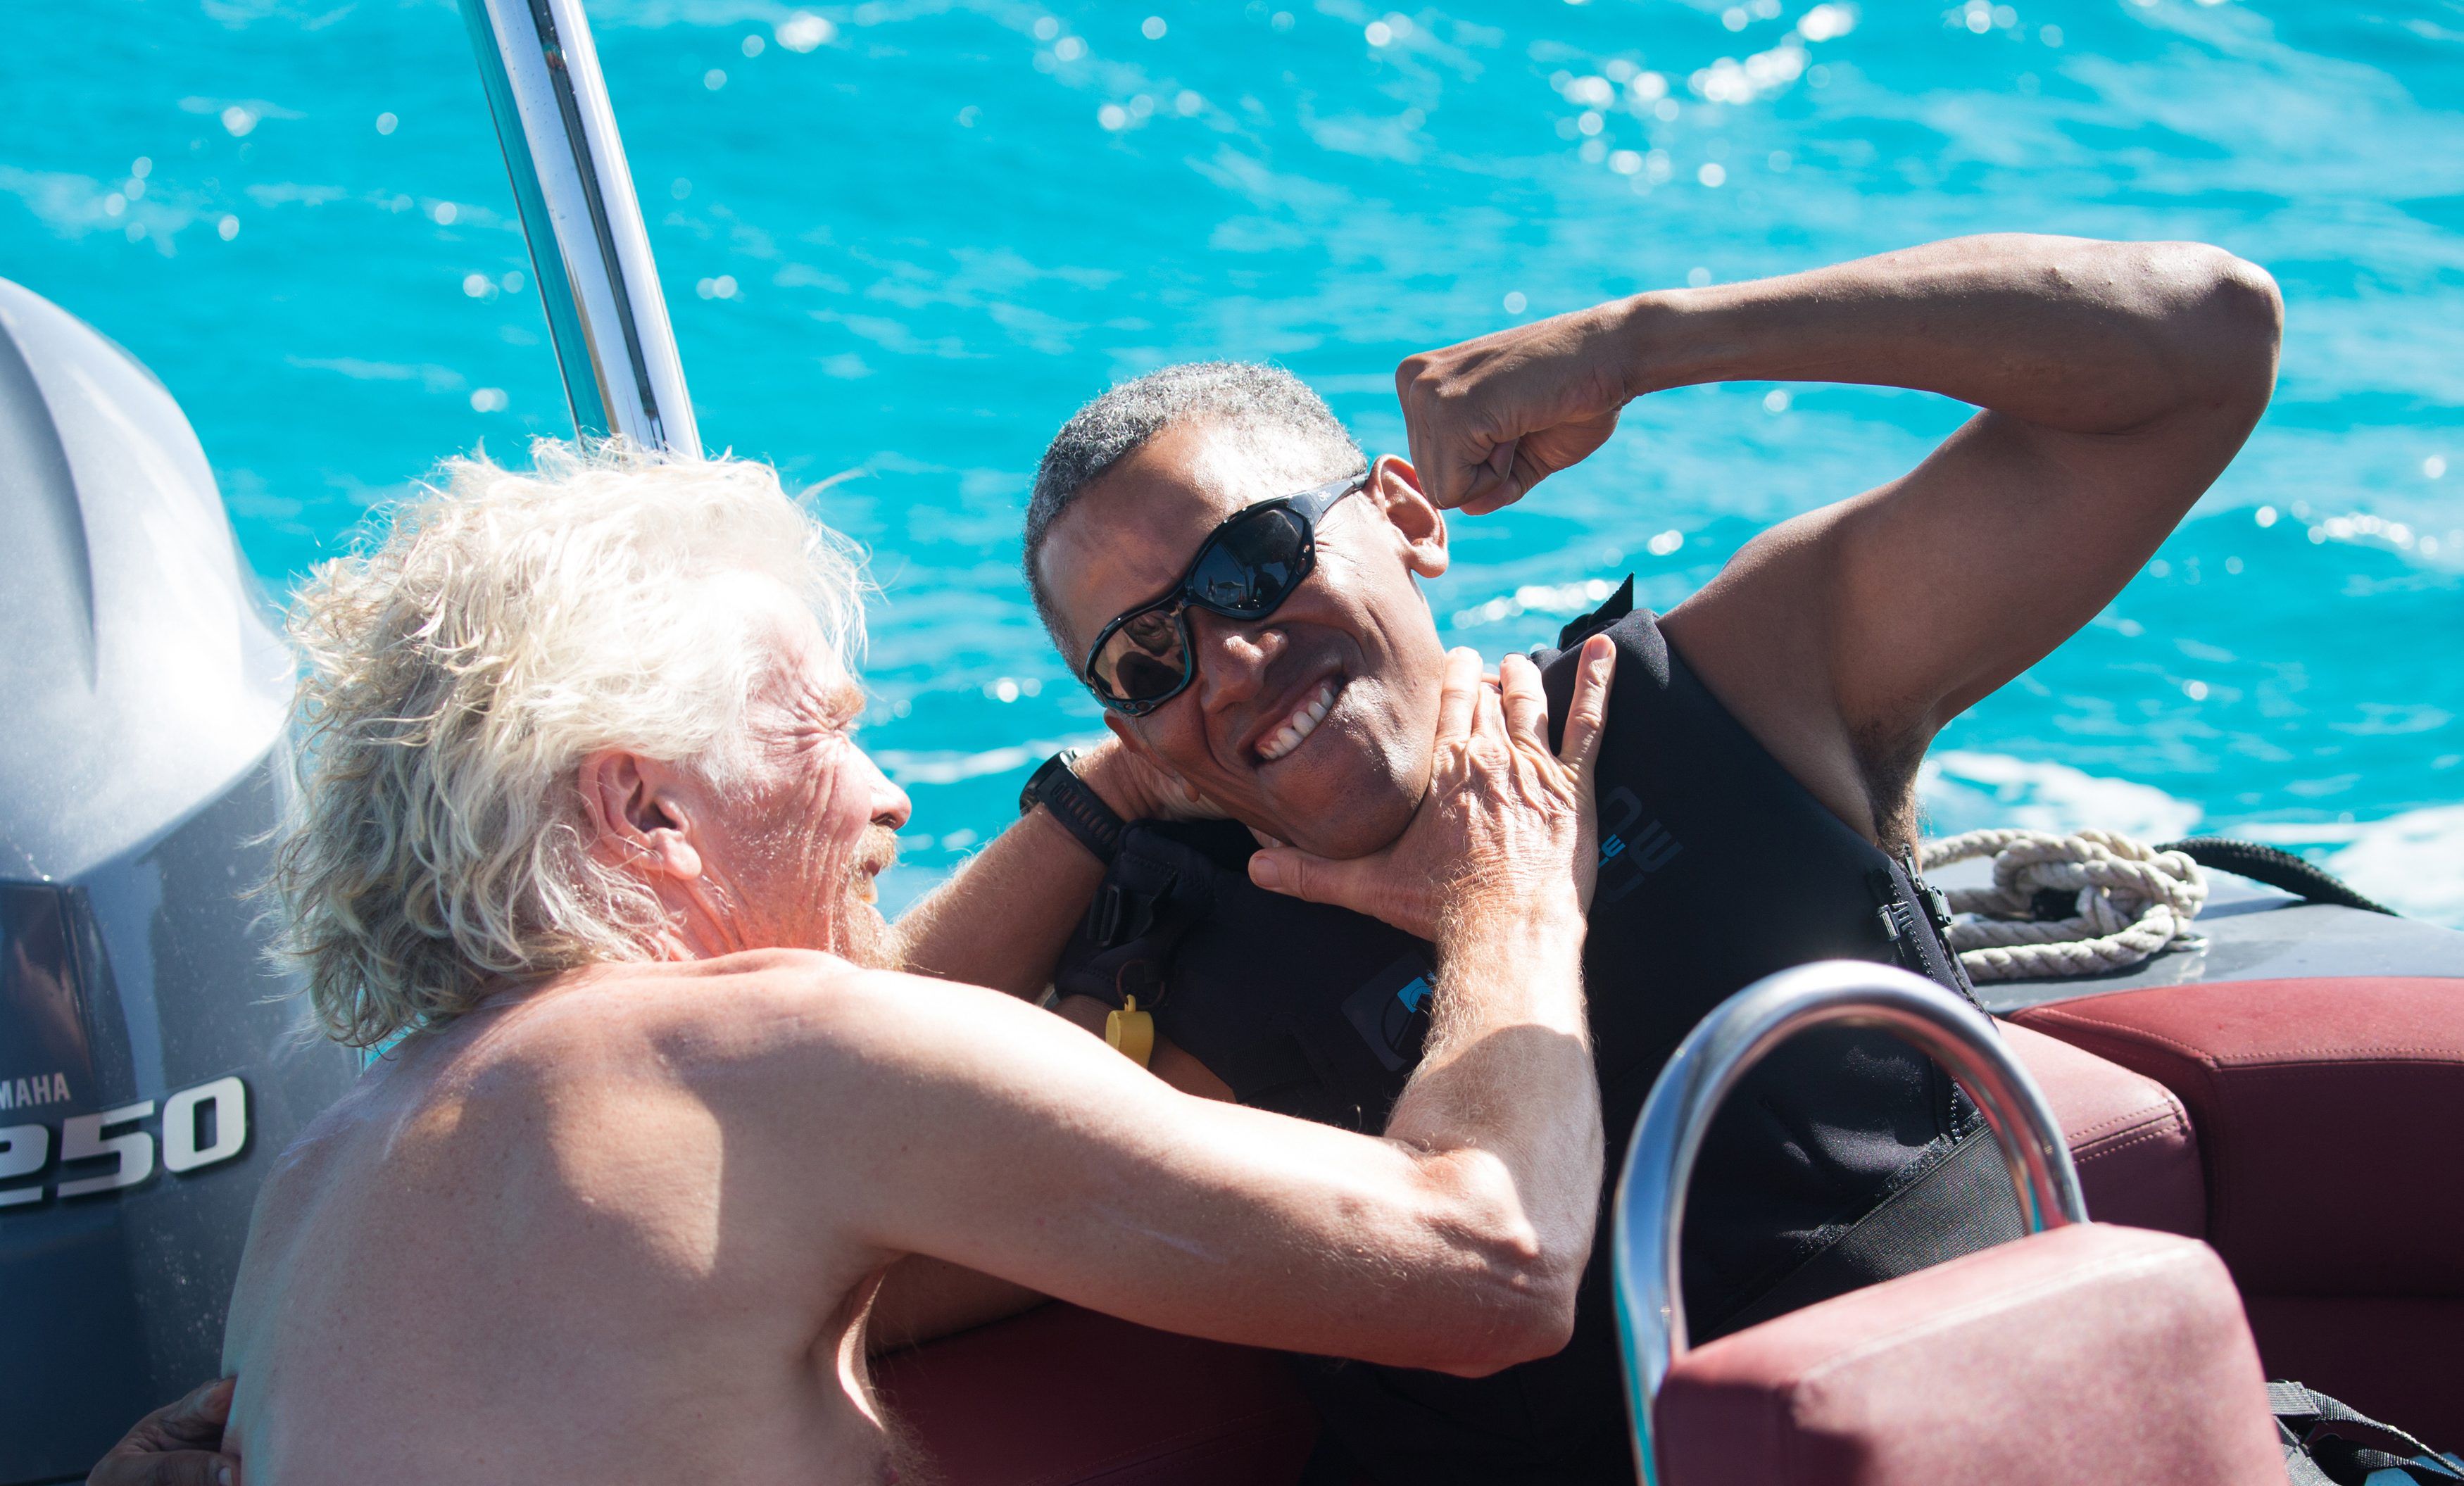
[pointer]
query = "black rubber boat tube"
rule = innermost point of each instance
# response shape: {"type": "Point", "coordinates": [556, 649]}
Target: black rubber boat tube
{"type": "Point", "coordinates": [591, 252]}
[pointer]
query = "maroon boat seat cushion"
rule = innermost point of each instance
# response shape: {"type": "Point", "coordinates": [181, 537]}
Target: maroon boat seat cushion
{"type": "Point", "coordinates": [2129, 1136]}
{"type": "Point", "coordinates": [2309, 1096]}
{"type": "Point", "coordinates": [1061, 1395]}
{"type": "Point", "coordinates": [2330, 1121]}
{"type": "Point", "coordinates": [2089, 1353]}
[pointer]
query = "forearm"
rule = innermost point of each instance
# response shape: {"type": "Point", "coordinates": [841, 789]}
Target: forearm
{"type": "Point", "coordinates": [1192, 1216]}
{"type": "Point", "coordinates": [1003, 918]}
{"type": "Point", "coordinates": [2071, 334]}
{"type": "Point", "coordinates": [1506, 1074]}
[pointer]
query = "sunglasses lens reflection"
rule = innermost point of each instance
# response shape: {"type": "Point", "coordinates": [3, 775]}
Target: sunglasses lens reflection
{"type": "Point", "coordinates": [1251, 564]}
{"type": "Point", "coordinates": [1144, 658]}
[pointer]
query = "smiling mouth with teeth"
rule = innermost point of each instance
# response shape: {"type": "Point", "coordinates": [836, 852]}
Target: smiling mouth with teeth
{"type": "Point", "coordinates": [1303, 722]}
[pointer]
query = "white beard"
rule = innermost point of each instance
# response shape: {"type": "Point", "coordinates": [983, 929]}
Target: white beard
{"type": "Point", "coordinates": [863, 938]}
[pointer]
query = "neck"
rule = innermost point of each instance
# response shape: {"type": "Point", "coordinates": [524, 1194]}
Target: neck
{"type": "Point", "coordinates": [696, 923]}
{"type": "Point", "coordinates": [675, 942]}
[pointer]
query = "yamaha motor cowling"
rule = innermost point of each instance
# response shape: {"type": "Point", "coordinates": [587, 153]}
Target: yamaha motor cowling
{"type": "Point", "coordinates": [152, 1065]}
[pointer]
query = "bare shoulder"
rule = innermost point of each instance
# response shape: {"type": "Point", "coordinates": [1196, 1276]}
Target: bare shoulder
{"type": "Point", "coordinates": [686, 1012]}
{"type": "Point", "coordinates": [798, 1015]}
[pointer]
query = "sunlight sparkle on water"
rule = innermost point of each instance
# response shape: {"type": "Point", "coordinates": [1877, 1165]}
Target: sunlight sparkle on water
{"type": "Point", "coordinates": [1824, 22]}
{"type": "Point", "coordinates": [804, 30]}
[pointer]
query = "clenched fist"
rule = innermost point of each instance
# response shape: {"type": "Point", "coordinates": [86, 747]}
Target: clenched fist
{"type": "Point", "coordinates": [1491, 418]}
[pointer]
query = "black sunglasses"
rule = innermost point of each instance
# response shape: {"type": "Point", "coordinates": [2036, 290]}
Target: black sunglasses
{"type": "Point", "coordinates": [1245, 570]}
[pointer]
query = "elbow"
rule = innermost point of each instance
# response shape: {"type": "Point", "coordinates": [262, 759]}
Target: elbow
{"type": "Point", "coordinates": [1515, 1306]}
{"type": "Point", "coordinates": [2249, 297]}
{"type": "Point", "coordinates": [1516, 1240]}
{"type": "Point", "coordinates": [2225, 320]}
{"type": "Point", "coordinates": [1535, 1327]}
{"type": "Point", "coordinates": [2247, 310]}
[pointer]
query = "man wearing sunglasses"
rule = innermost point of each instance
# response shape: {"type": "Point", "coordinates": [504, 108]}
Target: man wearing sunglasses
{"type": "Point", "coordinates": [1239, 587]}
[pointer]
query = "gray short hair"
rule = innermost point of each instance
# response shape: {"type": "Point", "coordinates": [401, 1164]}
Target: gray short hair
{"type": "Point", "coordinates": [457, 671]}
{"type": "Point", "coordinates": [1288, 427]}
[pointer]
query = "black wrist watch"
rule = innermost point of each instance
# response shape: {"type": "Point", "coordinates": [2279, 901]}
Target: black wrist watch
{"type": "Point", "coordinates": [1057, 788]}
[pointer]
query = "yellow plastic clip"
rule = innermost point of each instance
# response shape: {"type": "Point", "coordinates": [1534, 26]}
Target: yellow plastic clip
{"type": "Point", "coordinates": [1130, 1032]}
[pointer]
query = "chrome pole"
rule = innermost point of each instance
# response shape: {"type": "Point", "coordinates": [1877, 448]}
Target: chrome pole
{"type": "Point", "coordinates": [588, 247]}
{"type": "Point", "coordinates": [1650, 1208]}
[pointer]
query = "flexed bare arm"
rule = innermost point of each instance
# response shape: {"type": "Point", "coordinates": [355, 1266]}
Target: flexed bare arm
{"type": "Point", "coordinates": [2115, 382]}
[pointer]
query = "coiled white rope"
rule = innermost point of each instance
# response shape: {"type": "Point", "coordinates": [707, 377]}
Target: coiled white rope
{"type": "Point", "coordinates": [2129, 901]}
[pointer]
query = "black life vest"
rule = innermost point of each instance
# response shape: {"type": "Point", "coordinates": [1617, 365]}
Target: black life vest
{"type": "Point", "coordinates": [1716, 868]}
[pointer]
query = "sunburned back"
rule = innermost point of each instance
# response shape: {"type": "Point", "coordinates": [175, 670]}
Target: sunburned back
{"type": "Point", "coordinates": [518, 1252]}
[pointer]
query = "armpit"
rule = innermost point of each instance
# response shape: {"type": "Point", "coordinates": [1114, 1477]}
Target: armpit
{"type": "Point", "coordinates": [1888, 764]}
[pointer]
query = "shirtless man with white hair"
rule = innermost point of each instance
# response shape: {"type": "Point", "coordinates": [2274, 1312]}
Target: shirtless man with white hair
{"type": "Point", "coordinates": [584, 828]}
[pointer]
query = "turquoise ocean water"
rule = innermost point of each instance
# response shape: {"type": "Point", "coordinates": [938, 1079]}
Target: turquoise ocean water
{"type": "Point", "coordinates": [902, 240]}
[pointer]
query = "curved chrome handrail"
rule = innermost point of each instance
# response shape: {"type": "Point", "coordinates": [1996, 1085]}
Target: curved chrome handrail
{"type": "Point", "coordinates": [1650, 1207]}
{"type": "Point", "coordinates": [588, 247]}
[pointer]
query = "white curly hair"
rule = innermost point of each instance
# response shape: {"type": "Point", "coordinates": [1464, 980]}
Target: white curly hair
{"type": "Point", "coordinates": [457, 671]}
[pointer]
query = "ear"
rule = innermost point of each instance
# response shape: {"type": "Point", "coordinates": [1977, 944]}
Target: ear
{"type": "Point", "coordinates": [1395, 487]}
{"type": "Point", "coordinates": [638, 817]}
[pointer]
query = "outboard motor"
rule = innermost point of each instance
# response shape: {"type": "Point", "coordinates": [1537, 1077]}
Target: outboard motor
{"type": "Point", "coordinates": [152, 1064]}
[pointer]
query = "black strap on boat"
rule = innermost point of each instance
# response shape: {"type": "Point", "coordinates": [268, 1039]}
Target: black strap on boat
{"type": "Point", "coordinates": [2279, 870]}
{"type": "Point", "coordinates": [2319, 1450]}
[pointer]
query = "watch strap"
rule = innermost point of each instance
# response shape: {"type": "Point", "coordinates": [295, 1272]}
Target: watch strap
{"type": "Point", "coordinates": [1057, 788]}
